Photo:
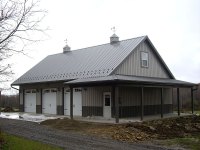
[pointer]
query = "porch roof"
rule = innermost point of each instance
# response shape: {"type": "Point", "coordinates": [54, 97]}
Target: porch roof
{"type": "Point", "coordinates": [131, 80]}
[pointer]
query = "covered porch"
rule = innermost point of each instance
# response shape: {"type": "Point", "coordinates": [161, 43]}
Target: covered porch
{"type": "Point", "coordinates": [131, 96]}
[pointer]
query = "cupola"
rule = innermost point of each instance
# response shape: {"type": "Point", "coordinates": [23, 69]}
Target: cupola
{"type": "Point", "coordinates": [66, 48]}
{"type": "Point", "coordinates": [114, 38]}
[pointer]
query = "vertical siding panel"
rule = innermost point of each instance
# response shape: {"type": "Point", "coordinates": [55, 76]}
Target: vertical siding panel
{"type": "Point", "coordinates": [93, 96]}
{"type": "Point", "coordinates": [132, 66]}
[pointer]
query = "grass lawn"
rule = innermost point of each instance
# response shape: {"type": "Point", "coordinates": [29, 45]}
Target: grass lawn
{"type": "Point", "coordinates": [192, 142]}
{"type": "Point", "coordinates": [19, 143]}
{"type": "Point", "coordinates": [197, 112]}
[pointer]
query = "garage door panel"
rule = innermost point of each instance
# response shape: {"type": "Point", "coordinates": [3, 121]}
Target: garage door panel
{"type": "Point", "coordinates": [49, 101]}
{"type": "Point", "coordinates": [77, 102]}
{"type": "Point", "coordinates": [30, 101]}
{"type": "Point", "coordinates": [67, 103]}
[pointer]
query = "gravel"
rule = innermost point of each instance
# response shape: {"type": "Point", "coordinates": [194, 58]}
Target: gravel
{"type": "Point", "coordinates": [67, 140]}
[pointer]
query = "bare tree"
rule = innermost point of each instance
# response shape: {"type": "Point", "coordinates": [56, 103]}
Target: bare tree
{"type": "Point", "coordinates": [19, 20]}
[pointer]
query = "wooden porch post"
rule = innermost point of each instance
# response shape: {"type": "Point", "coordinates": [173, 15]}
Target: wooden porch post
{"type": "Point", "coordinates": [141, 103]}
{"type": "Point", "coordinates": [161, 107]}
{"type": "Point", "coordinates": [192, 101]}
{"type": "Point", "coordinates": [63, 96]}
{"type": "Point", "coordinates": [41, 100]}
{"type": "Point", "coordinates": [116, 104]}
{"type": "Point", "coordinates": [71, 102]}
{"type": "Point", "coordinates": [113, 101]}
{"type": "Point", "coordinates": [23, 99]}
{"type": "Point", "coordinates": [178, 102]}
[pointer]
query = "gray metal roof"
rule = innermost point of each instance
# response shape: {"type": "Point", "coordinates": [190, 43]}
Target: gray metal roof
{"type": "Point", "coordinates": [133, 79]}
{"type": "Point", "coordinates": [88, 62]}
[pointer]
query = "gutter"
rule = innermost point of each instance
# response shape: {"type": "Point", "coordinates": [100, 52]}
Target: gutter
{"type": "Point", "coordinates": [14, 88]}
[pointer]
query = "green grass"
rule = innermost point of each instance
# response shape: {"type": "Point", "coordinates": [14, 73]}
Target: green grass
{"type": "Point", "coordinates": [192, 142]}
{"type": "Point", "coordinates": [19, 143]}
{"type": "Point", "coordinates": [197, 112]}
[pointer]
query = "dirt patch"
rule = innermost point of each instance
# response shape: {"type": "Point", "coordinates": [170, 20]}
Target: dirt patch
{"type": "Point", "coordinates": [133, 132]}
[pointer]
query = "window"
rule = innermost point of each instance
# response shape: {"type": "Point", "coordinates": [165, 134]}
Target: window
{"type": "Point", "coordinates": [28, 91]}
{"type": "Point", "coordinates": [46, 91]}
{"type": "Point", "coordinates": [144, 59]}
{"type": "Point", "coordinates": [33, 91]}
{"type": "Point", "coordinates": [78, 90]}
{"type": "Point", "coordinates": [107, 100]}
{"type": "Point", "coordinates": [53, 90]}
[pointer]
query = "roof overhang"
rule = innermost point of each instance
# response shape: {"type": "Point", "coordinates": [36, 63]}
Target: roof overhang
{"type": "Point", "coordinates": [133, 80]}
{"type": "Point", "coordinates": [39, 82]}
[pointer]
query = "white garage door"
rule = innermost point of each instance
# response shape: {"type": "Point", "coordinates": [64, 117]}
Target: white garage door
{"type": "Point", "coordinates": [49, 101]}
{"type": "Point", "coordinates": [77, 102]}
{"type": "Point", "coordinates": [30, 101]}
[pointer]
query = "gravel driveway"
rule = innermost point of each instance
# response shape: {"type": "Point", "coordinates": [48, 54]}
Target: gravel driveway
{"type": "Point", "coordinates": [67, 140]}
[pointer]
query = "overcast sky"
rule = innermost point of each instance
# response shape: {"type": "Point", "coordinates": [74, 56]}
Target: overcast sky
{"type": "Point", "coordinates": [173, 26]}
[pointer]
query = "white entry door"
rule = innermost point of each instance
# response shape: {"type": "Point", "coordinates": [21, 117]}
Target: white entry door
{"type": "Point", "coordinates": [107, 104]}
{"type": "Point", "coordinates": [67, 102]}
{"type": "Point", "coordinates": [49, 101]}
{"type": "Point", "coordinates": [77, 102]}
{"type": "Point", "coordinates": [30, 101]}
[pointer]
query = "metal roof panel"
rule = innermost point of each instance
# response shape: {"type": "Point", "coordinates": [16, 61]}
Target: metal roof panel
{"type": "Point", "coordinates": [133, 79]}
{"type": "Point", "coordinates": [96, 61]}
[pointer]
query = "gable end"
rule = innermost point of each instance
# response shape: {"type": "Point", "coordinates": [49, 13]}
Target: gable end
{"type": "Point", "coordinates": [132, 64]}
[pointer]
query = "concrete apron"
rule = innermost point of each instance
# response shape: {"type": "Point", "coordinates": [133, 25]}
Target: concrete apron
{"type": "Point", "coordinates": [98, 119]}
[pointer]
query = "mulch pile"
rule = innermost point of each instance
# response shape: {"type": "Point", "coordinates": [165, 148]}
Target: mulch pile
{"type": "Point", "coordinates": [158, 129]}
{"type": "Point", "coordinates": [136, 131]}
{"type": "Point", "coordinates": [8, 109]}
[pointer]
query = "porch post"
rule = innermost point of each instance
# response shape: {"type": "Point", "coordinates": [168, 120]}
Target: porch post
{"type": "Point", "coordinates": [23, 99]}
{"type": "Point", "coordinates": [41, 101]}
{"type": "Point", "coordinates": [116, 104]}
{"type": "Point", "coordinates": [141, 103]}
{"type": "Point", "coordinates": [71, 102]}
{"type": "Point", "coordinates": [63, 96]}
{"type": "Point", "coordinates": [192, 101]}
{"type": "Point", "coordinates": [113, 101]}
{"type": "Point", "coordinates": [178, 102]}
{"type": "Point", "coordinates": [161, 107]}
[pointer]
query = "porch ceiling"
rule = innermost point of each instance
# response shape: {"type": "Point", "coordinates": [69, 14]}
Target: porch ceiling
{"type": "Point", "coordinates": [124, 79]}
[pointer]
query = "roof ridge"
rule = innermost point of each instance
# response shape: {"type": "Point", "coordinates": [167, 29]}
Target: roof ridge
{"type": "Point", "coordinates": [109, 43]}
{"type": "Point", "coordinates": [100, 45]}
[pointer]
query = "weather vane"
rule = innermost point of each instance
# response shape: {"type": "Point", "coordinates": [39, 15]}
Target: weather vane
{"type": "Point", "coordinates": [113, 29]}
{"type": "Point", "coordinates": [66, 41]}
